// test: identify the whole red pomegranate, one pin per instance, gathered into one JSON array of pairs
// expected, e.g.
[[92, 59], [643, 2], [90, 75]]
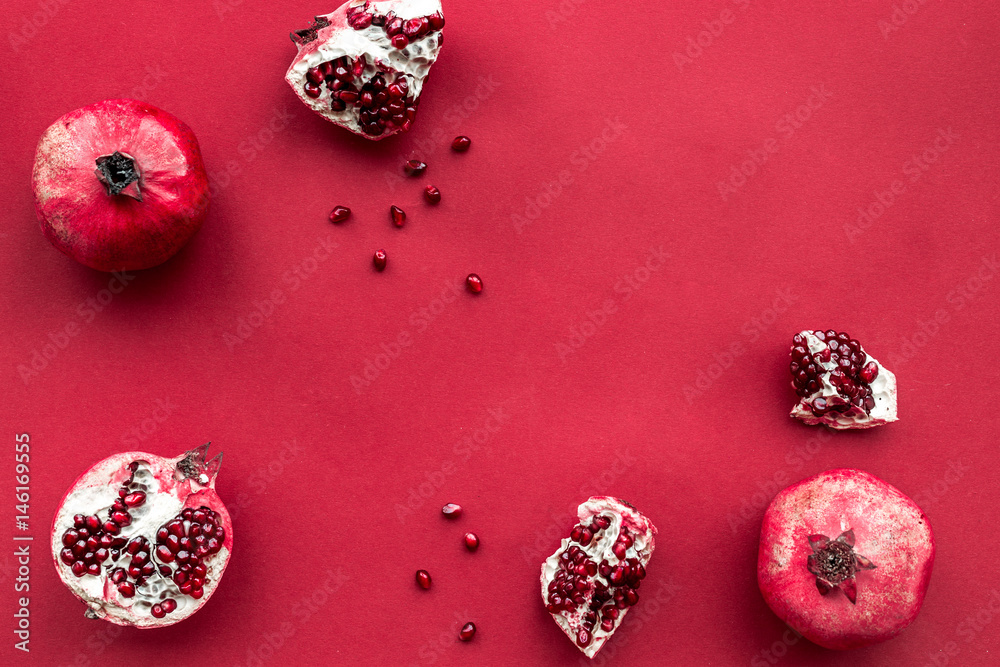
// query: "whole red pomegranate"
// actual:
[[845, 558], [144, 540], [119, 185], [593, 578], [363, 66]]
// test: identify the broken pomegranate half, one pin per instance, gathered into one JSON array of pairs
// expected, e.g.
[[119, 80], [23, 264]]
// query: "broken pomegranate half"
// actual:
[[144, 540], [592, 580], [838, 383], [363, 66], [845, 558]]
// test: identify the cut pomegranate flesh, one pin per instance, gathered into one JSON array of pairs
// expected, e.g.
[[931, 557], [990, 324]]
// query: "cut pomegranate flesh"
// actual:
[[592, 580], [363, 66], [838, 383], [143, 540]]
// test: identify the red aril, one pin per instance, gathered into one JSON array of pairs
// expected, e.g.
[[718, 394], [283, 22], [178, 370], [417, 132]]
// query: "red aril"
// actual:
[[363, 66], [591, 581], [119, 185], [474, 283], [143, 540], [452, 510], [432, 194], [467, 632], [397, 215], [414, 167], [461, 143], [379, 260], [339, 214], [471, 541], [423, 579]]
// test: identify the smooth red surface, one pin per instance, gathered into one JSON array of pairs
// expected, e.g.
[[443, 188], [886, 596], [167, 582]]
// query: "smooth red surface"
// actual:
[[314, 472]]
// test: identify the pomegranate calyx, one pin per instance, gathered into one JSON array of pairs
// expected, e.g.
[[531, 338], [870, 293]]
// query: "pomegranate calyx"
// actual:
[[119, 174], [835, 564], [306, 35], [194, 466]]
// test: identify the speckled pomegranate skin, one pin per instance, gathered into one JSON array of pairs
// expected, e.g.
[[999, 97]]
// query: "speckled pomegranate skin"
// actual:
[[117, 232], [891, 531]]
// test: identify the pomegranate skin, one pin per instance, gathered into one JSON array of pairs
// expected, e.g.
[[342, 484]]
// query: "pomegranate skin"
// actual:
[[890, 531], [118, 232]]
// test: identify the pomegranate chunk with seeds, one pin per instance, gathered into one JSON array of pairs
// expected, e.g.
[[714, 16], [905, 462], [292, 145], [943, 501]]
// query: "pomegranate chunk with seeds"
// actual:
[[364, 65], [144, 540], [591, 581], [838, 383]]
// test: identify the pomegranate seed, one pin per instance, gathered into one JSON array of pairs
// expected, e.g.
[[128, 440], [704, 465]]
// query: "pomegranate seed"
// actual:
[[168, 605], [412, 28], [583, 637], [400, 41], [452, 510], [315, 75], [339, 214], [423, 579], [397, 215], [461, 143], [414, 167], [379, 260], [126, 589], [869, 372], [435, 21], [467, 632], [134, 499], [474, 283], [157, 611], [471, 541], [312, 90], [432, 194]]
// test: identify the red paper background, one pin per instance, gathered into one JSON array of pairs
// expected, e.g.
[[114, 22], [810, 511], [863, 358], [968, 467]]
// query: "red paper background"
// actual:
[[316, 473]]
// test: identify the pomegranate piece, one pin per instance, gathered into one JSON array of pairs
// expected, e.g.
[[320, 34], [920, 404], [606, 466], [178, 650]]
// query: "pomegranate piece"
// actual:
[[414, 167], [379, 259], [845, 531], [432, 194], [474, 283], [144, 540], [452, 510], [591, 581], [397, 215], [364, 65], [423, 579], [461, 143], [467, 632], [471, 541], [838, 383], [119, 185], [339, 214]]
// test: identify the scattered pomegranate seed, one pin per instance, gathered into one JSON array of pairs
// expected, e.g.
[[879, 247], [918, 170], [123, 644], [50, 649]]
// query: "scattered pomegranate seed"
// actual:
[[467, 632], [339, 214], [461, 143], [414, 167], [423, 579], [452, 510], [474, 283], [379, 260], [432, 194], [398, 216], [471, 541]]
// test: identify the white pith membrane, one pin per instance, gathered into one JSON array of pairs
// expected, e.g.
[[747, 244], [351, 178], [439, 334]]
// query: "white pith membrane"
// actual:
[[171, 486], [600, 550], [339, 39], [883, 389]]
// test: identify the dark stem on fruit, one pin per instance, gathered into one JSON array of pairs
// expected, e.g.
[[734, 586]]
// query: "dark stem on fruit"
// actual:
[[119, 174]]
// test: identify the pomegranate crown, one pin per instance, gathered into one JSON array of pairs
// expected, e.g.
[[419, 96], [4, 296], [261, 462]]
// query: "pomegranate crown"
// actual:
[[835, 564], [194, 466]]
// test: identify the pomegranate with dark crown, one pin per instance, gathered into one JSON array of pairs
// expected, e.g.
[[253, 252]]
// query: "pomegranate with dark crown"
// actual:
[[144, 540], [119, 185], [845, 558], [838, 383], [364, 65], [593, 578]]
